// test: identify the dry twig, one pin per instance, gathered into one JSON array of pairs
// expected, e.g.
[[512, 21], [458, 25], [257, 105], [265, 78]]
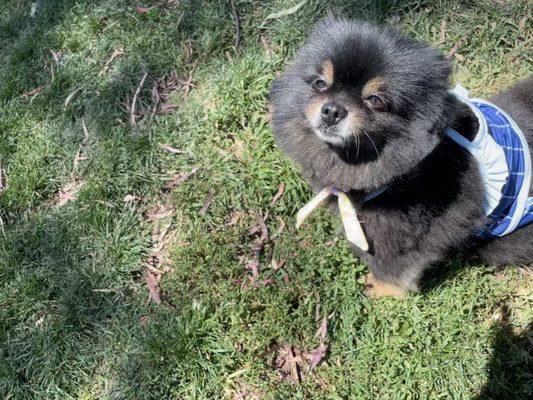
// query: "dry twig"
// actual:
[[134, 101]]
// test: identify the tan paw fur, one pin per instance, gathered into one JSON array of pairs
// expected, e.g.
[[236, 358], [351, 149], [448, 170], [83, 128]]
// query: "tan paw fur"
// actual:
[[374, 288]]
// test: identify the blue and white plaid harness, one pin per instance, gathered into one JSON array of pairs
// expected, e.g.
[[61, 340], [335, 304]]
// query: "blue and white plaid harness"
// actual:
[[504, 160]]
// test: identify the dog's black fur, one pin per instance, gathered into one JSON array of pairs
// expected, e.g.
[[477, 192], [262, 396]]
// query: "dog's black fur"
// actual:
[[433, 204]]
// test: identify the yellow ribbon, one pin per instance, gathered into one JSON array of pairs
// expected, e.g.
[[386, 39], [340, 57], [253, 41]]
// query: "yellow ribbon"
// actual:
[[352, 226]]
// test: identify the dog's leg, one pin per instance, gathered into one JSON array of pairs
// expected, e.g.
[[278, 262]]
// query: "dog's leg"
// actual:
[[375, 288], [394, 277], [513, 249]]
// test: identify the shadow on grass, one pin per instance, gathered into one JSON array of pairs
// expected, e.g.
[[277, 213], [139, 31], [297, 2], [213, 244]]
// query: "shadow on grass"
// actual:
[[510, 370], [72, 320], [53, 317]]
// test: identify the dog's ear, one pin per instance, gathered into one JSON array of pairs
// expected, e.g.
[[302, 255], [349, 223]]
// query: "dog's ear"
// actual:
[[461, 118]]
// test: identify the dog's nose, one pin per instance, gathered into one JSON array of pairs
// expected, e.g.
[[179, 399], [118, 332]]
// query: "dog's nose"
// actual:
[[333, 113]]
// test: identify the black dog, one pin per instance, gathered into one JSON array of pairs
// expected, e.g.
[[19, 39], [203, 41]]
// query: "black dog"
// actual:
[[365, 109]]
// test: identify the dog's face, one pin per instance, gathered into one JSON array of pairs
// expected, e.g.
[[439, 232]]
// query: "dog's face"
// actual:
[[359, 89], [347, 102]]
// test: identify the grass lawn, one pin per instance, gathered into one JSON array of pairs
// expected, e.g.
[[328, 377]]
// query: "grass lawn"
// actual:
[[137, 167]]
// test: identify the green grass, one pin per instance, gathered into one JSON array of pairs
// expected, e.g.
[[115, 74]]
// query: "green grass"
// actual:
[[75, 317]]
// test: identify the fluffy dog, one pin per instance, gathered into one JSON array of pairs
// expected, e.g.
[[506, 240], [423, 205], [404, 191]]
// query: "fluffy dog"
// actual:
[[365, 109]]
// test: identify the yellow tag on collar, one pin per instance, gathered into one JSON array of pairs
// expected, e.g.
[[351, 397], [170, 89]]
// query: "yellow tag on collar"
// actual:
[[352, 226]]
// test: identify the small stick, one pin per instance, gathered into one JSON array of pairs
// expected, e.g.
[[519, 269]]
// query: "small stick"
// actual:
[[454, 48], [85, 132], [2, 185], [134, 101], [119, 51]]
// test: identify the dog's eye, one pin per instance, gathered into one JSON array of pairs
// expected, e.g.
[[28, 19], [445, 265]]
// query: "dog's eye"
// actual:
[[319, 84], [375, 101]]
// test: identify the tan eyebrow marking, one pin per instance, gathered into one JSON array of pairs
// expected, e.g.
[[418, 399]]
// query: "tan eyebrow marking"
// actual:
[[327, 71], [373, 86]]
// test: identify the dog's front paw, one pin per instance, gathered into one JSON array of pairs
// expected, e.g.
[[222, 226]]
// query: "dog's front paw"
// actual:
[[374, 288]]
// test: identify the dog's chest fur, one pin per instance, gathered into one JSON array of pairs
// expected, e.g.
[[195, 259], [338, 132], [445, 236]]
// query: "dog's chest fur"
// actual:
[[429, 212]]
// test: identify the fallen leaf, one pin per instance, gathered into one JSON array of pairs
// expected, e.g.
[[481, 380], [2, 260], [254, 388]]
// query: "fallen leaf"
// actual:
[[100, 290], [286, 363], [235, 217], [261, 227], [159, 238], [316, 355], [39, 321], [187, 84], [143, 320], [32, 92], [164, 88], [253, 266], [118, 52], [244, 391], [264, 282], [142, 10], [153, 288], [455, 47], [70, 97], [277, 196], [277, 265], [207, 202], [253, 230], [170, 149], [154, 270], [322, 331], [56, 55], [178, 179], [129, 198], [159, 212], [69, 192], [293, 363]]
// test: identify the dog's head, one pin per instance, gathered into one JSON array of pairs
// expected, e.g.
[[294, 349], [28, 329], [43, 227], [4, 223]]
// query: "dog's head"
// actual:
[[362, 90]]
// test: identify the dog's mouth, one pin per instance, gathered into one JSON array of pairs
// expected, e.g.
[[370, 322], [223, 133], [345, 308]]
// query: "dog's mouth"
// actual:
[[350, 142], [329, 134]]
